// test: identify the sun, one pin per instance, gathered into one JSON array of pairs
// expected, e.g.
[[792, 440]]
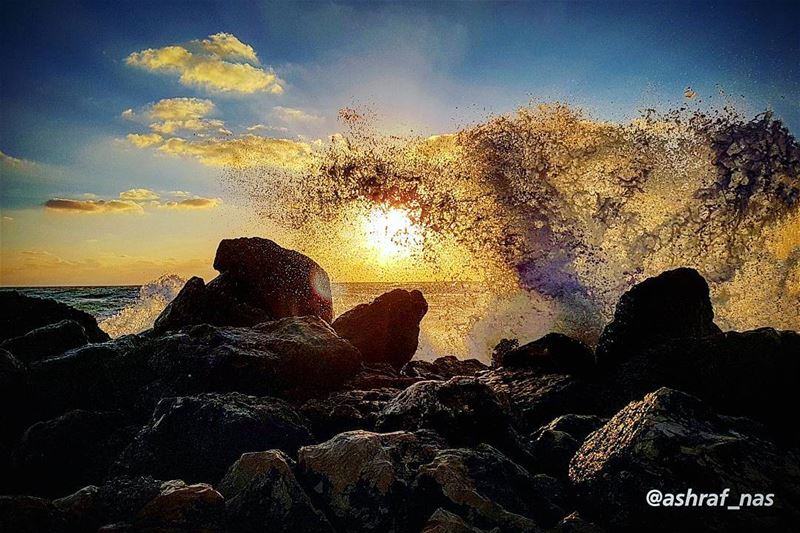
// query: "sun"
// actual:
[[391, 234]]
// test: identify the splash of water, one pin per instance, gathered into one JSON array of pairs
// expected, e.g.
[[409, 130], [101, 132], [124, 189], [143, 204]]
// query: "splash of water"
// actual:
[[574, 211], [140, 315]]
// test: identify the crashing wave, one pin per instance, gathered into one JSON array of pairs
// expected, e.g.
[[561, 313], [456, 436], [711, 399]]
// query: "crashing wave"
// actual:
[[139, 316]]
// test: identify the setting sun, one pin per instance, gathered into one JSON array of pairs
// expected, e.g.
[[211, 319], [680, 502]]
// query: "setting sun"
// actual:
[[391, 233]]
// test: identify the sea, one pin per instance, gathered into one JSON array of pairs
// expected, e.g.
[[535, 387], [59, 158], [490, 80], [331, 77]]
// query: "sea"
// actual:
[[463, 319]]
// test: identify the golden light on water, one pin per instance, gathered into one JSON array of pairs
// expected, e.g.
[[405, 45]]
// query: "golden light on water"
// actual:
[[390, 233]]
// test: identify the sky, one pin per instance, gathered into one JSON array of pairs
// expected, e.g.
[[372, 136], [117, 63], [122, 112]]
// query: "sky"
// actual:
[[118, 119]]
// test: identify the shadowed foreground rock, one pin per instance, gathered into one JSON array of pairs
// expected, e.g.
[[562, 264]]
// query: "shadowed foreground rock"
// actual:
[[258, 281], [443, 368], [45, 341], [182, 507], [671, 442], [553, 353], [386, 330], [20, 314]]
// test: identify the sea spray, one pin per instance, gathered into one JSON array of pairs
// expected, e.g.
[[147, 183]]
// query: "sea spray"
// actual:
[[140, 315]]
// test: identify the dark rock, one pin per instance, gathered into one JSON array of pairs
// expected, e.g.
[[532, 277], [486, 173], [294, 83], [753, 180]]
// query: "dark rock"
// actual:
[[552, 446], [14, 419], [363, 479], [196, 438], [672, 442], [262, 494], [45, 341], [386, 330], [258, 281], [443, 368], [573, 523], [27, 514], [61, 455], [442, 521], [672, 305], [577, 426], [182, 507], [489, 490], [553, 353], [346, 411], [20, 314], [379, 376]]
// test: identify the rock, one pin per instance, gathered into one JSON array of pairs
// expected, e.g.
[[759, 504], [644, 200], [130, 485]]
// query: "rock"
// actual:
[[45, 341], [20, 314], [553, 353], [489, 490], [346, 411], [463, 410], [13, 386], [670, 441], [262, 494], [364, 479], [117, 500], [672, 305], [442, 521], [27, 514], [573, 523], [196, 438], [61, 455], [182, 507], [443, 368], [386, 330], [553, 445], [258, 281], [379, 376], [577, 426]]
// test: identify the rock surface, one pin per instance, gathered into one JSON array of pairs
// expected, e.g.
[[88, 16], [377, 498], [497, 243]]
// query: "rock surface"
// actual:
[[553, 353], [386, 330], [443, 368], [45, 341], [182, 507], [20, 314]]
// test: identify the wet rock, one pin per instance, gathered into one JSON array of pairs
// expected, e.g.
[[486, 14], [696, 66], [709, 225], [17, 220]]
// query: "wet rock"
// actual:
[[262, 494], [61, 455], [45, 341], [552, 446], [573, 523], [672, 305], [28, 514], [196, 438], [553, 353], [258, 281], [670, 441], [489, 490], [20, 314], [443, 368], [386, 330], [346, 411], [364, 479], [442, 521], [182, 507]]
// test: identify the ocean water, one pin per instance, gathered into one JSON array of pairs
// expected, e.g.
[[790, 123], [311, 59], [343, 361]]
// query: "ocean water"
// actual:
[[457, 323]]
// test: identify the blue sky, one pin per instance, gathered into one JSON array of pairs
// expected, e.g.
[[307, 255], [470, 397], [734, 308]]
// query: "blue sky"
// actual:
[[430, 67]]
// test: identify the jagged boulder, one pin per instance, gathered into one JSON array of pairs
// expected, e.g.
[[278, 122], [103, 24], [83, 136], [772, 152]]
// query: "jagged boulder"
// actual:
[[48, 340], [259, 280], [553, 353], [196, 438], [489, 490], [443, 368], [442, 521], [364, 479], [61, 455], [673, 305], [346, 411], [553, 445], [20, 314], [574, 523], [671, 442], [182, 507], [262, 494], [28, 514], [386, 330]]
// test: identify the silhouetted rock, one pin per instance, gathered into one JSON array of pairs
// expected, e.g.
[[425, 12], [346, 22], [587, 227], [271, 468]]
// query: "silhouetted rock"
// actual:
[[20, 314], [28, 514], [553, 353], [379, 376], [552, 446], [442, 521], [258, 281], [13, 388], [182, 507], [672, 305], [61, 455], [443, 368], [262, 494], [346, 411], [386, 330], [45, 341], [364, 479], [672, 442], [196, 438], [489, 490]]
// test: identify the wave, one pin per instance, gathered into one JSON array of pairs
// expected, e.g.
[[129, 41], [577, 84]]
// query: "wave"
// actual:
[[140, 315]]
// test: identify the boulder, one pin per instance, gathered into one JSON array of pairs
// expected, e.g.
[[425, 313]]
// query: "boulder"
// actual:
[[20, 314], [363, 479], [346, 411], [58, 456], [28, 514], [672, 305], [442, 521], [552, 446], [258, 281], [386, 330], [553, 353], [443, 368], [196, 438], [48, 340], [671, 442], [489, 490], [379, 376], [182, 507], [574, 523], [13, 386], [262, 494]]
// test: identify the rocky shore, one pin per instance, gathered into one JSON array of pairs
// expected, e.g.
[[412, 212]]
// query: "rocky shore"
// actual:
[[249, 408]]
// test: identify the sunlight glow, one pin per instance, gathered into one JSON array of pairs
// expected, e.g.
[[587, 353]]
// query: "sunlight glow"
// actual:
[[391, 234]]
